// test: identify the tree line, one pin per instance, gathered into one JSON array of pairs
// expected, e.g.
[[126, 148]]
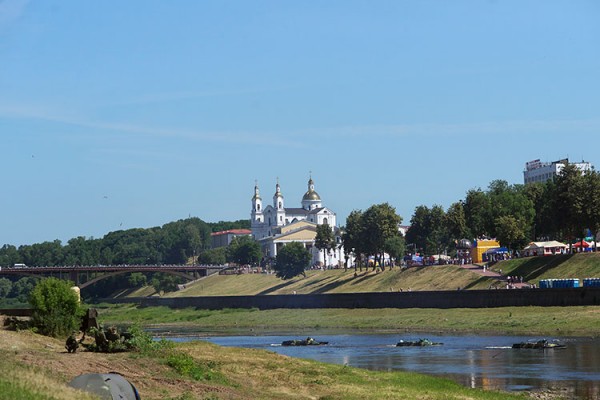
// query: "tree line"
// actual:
[[566, 208], [173, 243]]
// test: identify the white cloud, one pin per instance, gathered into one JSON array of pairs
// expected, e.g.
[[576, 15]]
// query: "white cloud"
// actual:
[[57, 116]]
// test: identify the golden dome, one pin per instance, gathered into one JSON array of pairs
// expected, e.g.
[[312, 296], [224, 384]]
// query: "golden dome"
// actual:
[[311, 195]]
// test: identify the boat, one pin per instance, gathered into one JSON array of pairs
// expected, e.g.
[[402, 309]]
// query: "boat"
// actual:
[[538, 344], [303, 342], [420, 342]]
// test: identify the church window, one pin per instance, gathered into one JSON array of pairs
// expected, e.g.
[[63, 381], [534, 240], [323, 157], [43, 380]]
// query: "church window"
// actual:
[[280, 205], [324, 220], [269, 222], [280, 218], [258, 207]]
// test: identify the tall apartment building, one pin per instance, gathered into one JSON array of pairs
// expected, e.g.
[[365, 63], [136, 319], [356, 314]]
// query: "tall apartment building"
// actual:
[[538, 171]]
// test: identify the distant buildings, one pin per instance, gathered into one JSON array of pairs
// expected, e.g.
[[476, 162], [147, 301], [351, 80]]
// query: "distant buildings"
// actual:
[[275, 225], [224, 238], [538, 171]]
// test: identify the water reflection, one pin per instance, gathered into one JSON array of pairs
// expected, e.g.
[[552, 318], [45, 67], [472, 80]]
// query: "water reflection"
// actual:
[[486, 362]]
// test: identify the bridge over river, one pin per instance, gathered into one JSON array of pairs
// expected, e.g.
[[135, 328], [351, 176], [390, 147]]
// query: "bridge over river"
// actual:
[[84, 276]]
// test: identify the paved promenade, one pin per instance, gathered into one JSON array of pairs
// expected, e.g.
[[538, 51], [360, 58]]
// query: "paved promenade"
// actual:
[[500, 278]]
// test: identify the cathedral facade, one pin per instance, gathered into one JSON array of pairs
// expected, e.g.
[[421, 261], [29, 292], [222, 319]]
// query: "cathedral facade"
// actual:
[[274, 225]]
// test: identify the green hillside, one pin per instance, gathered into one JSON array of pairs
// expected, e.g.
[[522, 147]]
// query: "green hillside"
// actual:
[[532, 269], [446, 277]]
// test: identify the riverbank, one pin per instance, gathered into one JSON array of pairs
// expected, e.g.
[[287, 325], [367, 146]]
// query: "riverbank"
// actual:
[[534, 321], [38, 367]]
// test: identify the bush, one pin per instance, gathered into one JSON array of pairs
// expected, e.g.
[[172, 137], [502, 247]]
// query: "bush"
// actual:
[[134, 339], [55, 308]]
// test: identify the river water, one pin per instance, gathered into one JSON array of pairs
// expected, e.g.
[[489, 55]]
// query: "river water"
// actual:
[[486, 362]]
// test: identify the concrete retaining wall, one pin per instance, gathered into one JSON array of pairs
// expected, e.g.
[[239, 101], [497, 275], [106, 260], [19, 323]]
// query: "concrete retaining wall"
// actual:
[[434, 299]]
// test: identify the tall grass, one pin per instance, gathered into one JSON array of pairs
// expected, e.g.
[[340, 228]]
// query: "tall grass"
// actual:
[[21, 382]]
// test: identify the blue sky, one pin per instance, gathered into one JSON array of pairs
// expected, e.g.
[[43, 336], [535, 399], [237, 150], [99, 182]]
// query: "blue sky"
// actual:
[[125, 114]]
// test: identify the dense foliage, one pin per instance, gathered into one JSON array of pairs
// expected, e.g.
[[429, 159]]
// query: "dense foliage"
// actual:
[[292, 260], [243, 250], [55, 307], [373, 232], [173, 243], [177, 242], [324, 240], [566, 209]]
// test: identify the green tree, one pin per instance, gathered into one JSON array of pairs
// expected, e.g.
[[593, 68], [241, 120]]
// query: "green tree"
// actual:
[[22, 288], [352, 236], [215, 256], [476, 208], [324, 240], [5, 287], [509, 201], [537, 193], [227, 225], [571, 202], [55, 307], [164, 282], [9, 256], [456, 222], [591, 183], [137, 279], [82, 251], [395, 246], [379, 223], [428, 230], [43, 254], [438, 238], [510, 230], [419, 228], [244, 250], [292, 260]]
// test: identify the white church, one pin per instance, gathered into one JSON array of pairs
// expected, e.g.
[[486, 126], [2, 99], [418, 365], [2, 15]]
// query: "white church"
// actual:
[[275, 225]]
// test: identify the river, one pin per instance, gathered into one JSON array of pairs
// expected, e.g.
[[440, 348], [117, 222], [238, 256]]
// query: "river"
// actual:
[[486, 362]]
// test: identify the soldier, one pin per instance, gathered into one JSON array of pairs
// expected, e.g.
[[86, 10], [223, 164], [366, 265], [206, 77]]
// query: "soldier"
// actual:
[[112, 334], [72, 343], [88, 321], [101, 341]]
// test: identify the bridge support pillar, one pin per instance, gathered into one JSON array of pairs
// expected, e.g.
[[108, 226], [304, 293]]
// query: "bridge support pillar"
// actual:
[[74, 276]]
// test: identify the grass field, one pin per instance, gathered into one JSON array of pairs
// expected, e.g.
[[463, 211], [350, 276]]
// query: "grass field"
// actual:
[[532, 269], [444, 277], [535, 321]]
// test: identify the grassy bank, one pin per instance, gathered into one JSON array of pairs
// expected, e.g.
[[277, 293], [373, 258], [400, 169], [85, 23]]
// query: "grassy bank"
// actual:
[[545, 321], [35, 367], [443, 277], [532, 269]]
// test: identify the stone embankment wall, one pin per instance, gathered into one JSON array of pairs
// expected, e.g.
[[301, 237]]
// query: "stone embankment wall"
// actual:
[[424, 299]]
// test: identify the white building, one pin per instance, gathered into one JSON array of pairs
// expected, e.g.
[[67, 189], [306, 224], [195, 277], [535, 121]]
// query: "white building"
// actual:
[[537, 171], [275, 225]]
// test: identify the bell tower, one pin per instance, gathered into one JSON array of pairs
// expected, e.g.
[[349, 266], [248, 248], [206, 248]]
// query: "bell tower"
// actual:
[[257, 217]]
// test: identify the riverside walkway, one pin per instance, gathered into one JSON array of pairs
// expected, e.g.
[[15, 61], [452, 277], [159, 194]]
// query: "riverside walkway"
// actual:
[[495, 275]]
